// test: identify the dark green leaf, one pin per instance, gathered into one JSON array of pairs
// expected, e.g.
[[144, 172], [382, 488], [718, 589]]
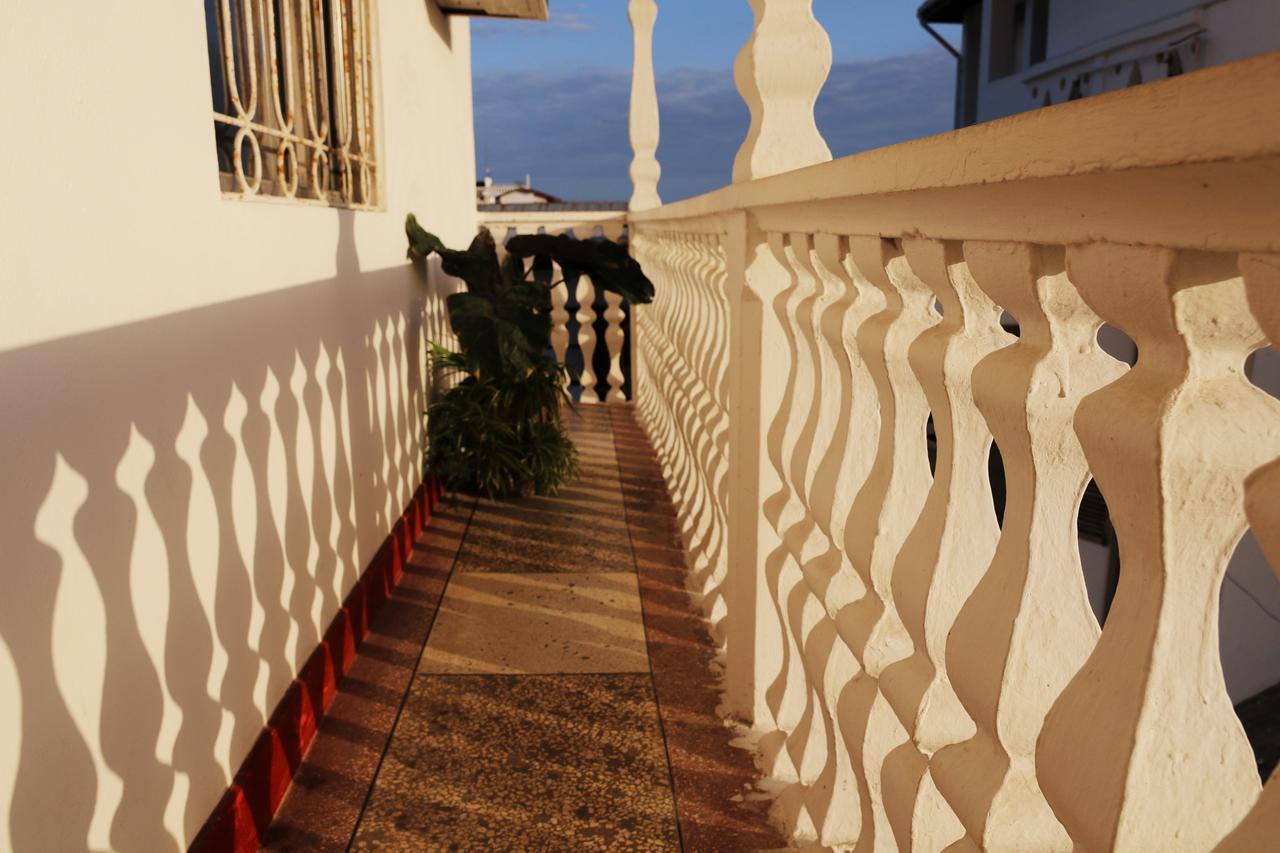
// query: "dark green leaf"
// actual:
[[609, 264], [421, 242]]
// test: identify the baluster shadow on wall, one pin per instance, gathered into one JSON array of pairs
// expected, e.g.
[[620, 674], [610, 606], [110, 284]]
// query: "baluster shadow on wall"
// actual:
[[190, 497]]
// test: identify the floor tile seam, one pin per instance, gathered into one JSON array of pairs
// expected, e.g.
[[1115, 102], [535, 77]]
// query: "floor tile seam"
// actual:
[[585, 572], [474, 674], [653, 680], [632, 619], [404, 698]]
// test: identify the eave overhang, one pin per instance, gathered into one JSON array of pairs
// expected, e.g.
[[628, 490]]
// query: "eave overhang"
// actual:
[[943, 11], [535, 10]]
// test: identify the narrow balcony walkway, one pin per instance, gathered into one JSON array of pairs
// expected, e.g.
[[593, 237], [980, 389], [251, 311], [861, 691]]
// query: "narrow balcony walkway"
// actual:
[[538, 681]]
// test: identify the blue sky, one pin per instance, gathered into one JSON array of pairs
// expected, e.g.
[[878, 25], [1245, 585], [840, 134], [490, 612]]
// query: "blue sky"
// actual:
[[551, 98]]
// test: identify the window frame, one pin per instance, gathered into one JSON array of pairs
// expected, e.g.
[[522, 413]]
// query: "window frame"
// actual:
[[296, 97]]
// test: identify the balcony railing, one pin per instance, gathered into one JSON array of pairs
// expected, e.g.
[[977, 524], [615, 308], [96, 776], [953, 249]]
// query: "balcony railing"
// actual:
[[589, 327], [919, 672]]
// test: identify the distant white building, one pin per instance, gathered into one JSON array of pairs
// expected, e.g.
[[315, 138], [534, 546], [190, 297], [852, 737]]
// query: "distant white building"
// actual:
[[488, 192], [1017, 55]]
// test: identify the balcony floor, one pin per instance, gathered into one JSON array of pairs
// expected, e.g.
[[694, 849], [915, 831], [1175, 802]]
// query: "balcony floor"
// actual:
[[539, 680]]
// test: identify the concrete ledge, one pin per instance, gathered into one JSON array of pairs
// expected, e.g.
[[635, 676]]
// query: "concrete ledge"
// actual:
[[1220, 125]]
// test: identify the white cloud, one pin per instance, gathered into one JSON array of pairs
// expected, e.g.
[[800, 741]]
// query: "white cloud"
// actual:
[[569, 130]]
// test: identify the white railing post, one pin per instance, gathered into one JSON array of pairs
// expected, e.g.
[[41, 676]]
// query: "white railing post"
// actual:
[[754, 647], [779, 72], [645, 170]]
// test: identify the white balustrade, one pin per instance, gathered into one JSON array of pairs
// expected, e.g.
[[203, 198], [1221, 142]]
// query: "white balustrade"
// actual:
[[688, 409], [919, 674], [583, 225]]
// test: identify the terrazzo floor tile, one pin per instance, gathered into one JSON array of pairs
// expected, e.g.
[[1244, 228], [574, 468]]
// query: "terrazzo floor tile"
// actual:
[[582, 528], [538, 623], [565, 699], [486, 762], [714, 781], [322, 806], [516, 538]]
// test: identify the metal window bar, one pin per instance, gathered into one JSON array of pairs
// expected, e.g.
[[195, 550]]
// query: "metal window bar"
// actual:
[[266, 58]]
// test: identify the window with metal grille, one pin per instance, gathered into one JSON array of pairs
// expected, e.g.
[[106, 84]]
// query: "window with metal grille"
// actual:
[[293, 99]]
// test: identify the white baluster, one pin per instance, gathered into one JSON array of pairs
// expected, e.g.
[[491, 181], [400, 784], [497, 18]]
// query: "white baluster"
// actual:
[[884, 509], [645, 170], [890, 500], [1027, 626], [587, 338], [779, 72], [614, 338], [559, 318], [1260, 829], [1143, 751], [950, 545]]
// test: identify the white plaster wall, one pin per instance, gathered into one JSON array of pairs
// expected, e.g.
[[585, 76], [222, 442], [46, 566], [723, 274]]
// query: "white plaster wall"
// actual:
[[1237, 29], [211, 408]]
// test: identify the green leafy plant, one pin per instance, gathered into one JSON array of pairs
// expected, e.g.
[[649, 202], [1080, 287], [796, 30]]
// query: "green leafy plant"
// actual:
[[498, 431]]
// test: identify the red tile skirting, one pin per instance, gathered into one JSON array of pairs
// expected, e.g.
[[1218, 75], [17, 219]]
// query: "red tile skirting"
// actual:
[[245, 810]]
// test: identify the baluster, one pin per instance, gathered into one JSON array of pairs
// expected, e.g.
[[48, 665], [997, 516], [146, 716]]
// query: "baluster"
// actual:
[[883, 509], [852, 454], [705, 425], [1027, 626], [1261, 827], [587, 338], [841, 307], [559, 318], [779, 72], [645, 170], [684, 340], [614, 337], [890, 500], [645, 384], [792, 439], [673, 356], [788, 695], [950, 545], [1143, 751], [715, 423], [761, 653]]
